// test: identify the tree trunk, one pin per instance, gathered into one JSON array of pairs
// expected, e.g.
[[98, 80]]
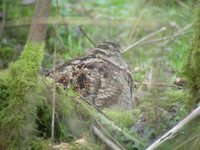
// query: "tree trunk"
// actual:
[[39, 25]]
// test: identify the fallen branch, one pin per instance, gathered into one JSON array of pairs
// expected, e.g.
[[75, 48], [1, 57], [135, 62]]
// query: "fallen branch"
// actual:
[[170, 134], [101, 136]]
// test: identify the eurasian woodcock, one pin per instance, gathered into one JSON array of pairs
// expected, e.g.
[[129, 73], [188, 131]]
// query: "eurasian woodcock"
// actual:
[[102, 77]]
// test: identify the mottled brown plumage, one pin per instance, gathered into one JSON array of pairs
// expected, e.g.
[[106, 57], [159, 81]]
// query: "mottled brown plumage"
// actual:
[[102, 77]]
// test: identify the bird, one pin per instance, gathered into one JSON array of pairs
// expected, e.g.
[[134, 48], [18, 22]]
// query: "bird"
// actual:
[[102, 77]]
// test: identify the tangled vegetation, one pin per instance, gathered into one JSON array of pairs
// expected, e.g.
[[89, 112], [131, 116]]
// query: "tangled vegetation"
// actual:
[[157, 62]]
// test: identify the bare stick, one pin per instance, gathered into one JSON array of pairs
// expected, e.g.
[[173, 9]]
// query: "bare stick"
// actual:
[[179, 33], [163, 38], [86, 35], [143, 42], [54, 98], [138, 19], [144, 38], [182, 4], [170, 134], [108, 142], [159, 84], [54, 89], [106, 133]]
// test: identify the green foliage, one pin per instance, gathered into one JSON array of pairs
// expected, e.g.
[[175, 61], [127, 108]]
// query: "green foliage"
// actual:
[[179, 52], [176, 105], [25, 102], [192, 68], [6, 55], [65, 107], [43, 120], [17, 10], [121, 118]]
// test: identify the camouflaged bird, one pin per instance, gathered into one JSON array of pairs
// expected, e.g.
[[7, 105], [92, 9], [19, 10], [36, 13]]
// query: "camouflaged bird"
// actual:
[[101, 77]]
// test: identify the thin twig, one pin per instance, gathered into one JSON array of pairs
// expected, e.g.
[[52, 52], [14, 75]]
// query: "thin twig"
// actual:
[[139, 18], [86, 35], [136, 23], [163, 38], [105, 139], [158, 84], [60, 38], [54, 90], [54, 98], [171, 133], [182, 4], [179, 33], [95, 107], [109, 136], [144, 38], [143, 42], [61, 127], [187, 141]]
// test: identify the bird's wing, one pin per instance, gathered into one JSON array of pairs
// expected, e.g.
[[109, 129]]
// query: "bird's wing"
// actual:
[[109, 92]]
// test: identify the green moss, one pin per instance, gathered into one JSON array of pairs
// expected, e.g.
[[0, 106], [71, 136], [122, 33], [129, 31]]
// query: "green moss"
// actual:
[[121, 118], [17, 120], [26, 106], [192, 69]]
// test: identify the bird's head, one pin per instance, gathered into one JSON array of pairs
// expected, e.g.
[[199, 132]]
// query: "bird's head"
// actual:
[[109, 47]]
